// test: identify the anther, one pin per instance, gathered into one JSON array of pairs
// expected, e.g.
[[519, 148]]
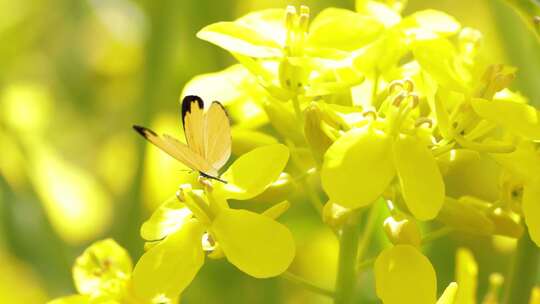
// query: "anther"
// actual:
[[371, 114], [414, 98], [290, 16], [423, 120], [408, 85], [205, 182], [303, 21], [395, 84], [399, 98], [180, 195]]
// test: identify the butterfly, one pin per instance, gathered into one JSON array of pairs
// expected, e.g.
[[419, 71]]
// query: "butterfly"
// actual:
[[208, 137]]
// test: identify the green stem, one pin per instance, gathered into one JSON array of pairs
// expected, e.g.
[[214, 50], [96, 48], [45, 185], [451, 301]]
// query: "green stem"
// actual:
[[436, 234], [307, 284], [297, 110], [522, 275], [346, 275], [367, 233]]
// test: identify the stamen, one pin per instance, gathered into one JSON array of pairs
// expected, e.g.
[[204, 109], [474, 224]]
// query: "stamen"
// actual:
[[399, 98], [395, 84], [303, 21], [290, 16], [180, 195], [372, 114], [415, 99], [423, 120], [408, 85], [205, 182]]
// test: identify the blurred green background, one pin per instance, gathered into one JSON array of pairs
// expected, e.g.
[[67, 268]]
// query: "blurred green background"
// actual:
[[75, 75]]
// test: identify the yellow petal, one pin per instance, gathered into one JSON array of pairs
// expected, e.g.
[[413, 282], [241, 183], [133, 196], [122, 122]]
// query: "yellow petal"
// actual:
[[403, 275], [168, 268], [74, 299], [449, 294], [169, 217], [531, 209], [256, 244], [102, 268], [253, 172], [277, 210], [420, 179], [357, 168], [518, 118], [466, 277], [535, 296]]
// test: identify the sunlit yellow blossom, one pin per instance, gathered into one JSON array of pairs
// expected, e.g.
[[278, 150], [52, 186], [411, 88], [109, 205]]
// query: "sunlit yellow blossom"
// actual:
[[179, 232], [362, 163]]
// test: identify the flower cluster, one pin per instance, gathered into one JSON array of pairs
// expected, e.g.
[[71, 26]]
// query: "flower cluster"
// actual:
[[372, 106]]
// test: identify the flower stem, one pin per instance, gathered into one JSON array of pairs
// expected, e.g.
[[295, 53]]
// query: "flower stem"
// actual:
[[297, 110], [367, 233], [307, 284], [346, 275], [522, 275], [436, 234]]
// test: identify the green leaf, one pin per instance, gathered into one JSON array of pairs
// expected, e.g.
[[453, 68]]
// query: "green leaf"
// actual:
[[169, 267], [354, 30], [255, 243], [253, 172], [238, 38], [357, 168]]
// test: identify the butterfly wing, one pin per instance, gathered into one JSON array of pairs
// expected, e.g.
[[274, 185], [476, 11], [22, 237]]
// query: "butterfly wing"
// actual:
[[178, 150], [193, 121], [217, 135]]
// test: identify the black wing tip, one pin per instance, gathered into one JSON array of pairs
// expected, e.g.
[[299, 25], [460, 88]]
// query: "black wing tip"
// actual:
[[143, 131], [188, 100]]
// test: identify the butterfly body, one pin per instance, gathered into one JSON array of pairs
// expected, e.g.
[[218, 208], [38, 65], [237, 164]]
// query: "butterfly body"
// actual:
[[207, 133]]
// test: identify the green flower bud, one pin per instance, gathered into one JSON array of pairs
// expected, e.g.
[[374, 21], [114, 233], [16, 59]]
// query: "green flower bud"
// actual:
[[335, 215], [314, 130], [283, 120], [506, 223], [402, 230], [278, 191]]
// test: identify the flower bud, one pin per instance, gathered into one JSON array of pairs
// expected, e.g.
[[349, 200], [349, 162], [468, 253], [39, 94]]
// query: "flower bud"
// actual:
[[465, 217], [402, 230], [278, 191], [506, 223], [283, 120], [335, 215], [317, 138]]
